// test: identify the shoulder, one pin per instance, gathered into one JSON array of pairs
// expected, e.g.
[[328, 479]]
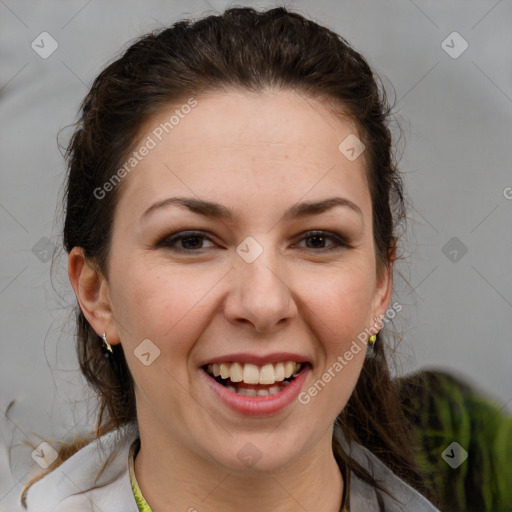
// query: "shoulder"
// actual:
[[75, 484], [363, 496]]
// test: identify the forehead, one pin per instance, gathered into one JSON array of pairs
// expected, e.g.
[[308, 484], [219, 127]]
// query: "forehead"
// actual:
[[241, 145]]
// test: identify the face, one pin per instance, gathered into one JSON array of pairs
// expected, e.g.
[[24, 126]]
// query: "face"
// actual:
[[256, 279]]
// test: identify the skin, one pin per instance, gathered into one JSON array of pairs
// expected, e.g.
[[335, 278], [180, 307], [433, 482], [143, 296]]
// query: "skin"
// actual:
[[258, 154]]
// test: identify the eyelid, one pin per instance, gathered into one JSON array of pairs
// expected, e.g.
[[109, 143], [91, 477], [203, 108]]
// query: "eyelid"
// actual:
[[169, 241], [339, 239]]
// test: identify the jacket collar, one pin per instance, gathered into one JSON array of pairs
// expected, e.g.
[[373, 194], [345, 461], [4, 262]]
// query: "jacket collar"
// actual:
[[363, 496], [61, 490]]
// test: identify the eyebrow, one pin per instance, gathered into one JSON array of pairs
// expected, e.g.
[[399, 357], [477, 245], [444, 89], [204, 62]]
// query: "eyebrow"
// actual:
[[218, 211]]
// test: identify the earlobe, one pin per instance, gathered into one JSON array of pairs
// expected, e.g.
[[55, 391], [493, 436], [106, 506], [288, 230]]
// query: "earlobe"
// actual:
[[91, 290]]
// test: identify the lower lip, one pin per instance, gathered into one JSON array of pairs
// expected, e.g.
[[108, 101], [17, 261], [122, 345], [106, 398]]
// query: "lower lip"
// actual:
[[258, 405]]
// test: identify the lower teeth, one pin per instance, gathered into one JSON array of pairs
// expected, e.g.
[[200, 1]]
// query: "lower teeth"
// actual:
[[272, 390], [257, 392]]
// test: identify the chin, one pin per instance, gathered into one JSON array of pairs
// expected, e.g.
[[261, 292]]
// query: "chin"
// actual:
[[256, 454]]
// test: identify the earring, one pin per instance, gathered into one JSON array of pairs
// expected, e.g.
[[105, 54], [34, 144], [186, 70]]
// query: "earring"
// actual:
[[373, 338], [107, 347]]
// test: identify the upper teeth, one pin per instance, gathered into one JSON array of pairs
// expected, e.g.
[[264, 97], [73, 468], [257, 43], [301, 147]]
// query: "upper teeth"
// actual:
[[252, 374]]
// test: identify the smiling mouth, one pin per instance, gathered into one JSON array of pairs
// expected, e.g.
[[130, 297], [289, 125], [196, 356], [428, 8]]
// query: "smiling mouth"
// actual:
[[242, 382]]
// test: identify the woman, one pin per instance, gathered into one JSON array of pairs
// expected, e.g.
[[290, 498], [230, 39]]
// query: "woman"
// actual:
[[231, 211]]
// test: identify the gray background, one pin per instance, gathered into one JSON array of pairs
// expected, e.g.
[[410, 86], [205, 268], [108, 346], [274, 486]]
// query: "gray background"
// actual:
[[456, 117]]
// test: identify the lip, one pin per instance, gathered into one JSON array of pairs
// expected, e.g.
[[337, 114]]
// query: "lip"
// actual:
[[257, 405], [259, 360]]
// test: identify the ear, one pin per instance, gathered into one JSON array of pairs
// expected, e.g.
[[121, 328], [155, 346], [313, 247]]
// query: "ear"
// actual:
[[92, 292], [384, 287]]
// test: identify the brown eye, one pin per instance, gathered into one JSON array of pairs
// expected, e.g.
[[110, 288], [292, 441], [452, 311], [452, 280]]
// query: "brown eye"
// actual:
[[319, 239]]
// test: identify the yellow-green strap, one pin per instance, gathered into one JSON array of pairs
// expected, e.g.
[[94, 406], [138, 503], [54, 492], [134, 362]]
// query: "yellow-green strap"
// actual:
[[141, 502]]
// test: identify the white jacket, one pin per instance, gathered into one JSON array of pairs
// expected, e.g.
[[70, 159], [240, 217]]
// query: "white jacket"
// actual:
[[59, 491]]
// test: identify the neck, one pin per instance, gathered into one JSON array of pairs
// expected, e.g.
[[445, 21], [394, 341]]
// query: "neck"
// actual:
[[173, 478]]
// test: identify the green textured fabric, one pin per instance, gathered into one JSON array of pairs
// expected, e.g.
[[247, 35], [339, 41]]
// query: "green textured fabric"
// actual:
[[444, 409]]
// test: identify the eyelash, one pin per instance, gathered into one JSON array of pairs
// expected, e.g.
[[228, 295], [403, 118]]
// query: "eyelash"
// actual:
[[170, 241]]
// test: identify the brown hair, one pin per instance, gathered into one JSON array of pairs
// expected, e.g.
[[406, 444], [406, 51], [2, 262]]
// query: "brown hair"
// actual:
[[251, 50]]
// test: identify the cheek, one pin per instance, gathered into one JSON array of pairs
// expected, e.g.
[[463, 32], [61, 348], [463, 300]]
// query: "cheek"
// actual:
[[332, 384], [341, 301], [165, 305], [169, 308], [338, 308]]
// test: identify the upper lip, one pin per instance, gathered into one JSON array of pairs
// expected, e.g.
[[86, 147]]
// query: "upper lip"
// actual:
[[257, 359]]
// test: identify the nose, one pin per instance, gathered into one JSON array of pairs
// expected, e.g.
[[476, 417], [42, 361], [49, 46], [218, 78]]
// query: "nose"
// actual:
[[260, 294]]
